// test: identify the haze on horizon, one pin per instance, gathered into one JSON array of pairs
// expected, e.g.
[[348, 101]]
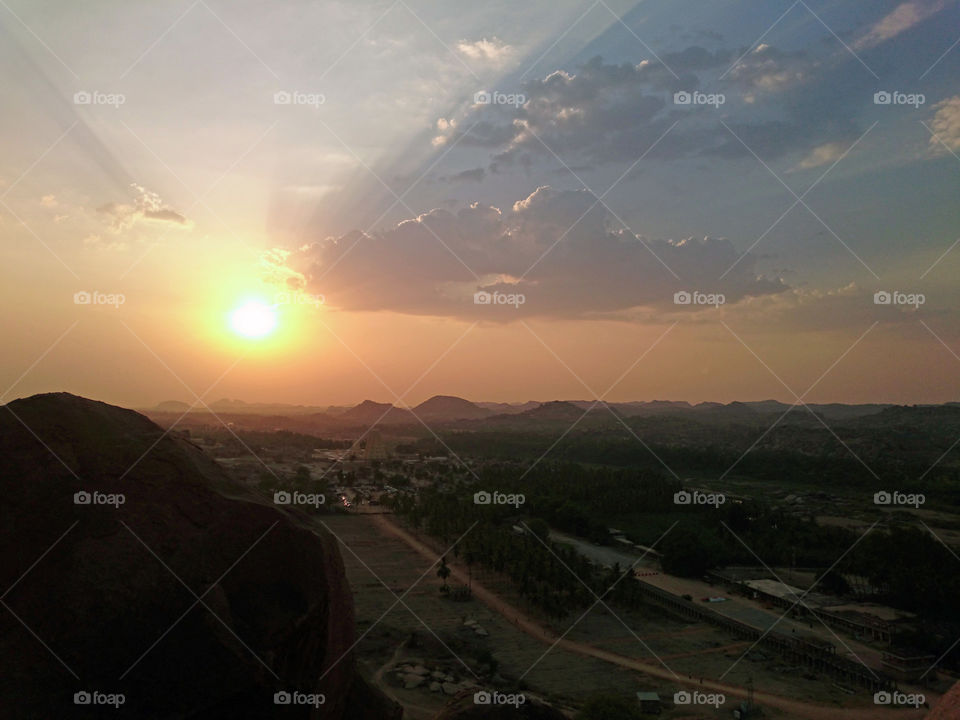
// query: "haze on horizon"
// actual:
[[363, 169]]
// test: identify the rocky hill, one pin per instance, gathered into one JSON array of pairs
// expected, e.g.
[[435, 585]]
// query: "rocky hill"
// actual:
[[369, 412], [447, 407], [170, 585]]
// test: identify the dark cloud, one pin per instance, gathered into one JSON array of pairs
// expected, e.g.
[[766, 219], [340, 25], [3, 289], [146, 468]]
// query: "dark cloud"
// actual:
[[697, 58], [778, 103], [560, 249], [471, 175]]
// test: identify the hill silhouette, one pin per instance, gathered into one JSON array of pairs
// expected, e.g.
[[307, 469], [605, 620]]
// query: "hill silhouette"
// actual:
[[448, 407], [193, 598], [369, 412]]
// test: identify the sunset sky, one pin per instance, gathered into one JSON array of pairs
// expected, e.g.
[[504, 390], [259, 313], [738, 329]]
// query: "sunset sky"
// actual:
[[337, 163]]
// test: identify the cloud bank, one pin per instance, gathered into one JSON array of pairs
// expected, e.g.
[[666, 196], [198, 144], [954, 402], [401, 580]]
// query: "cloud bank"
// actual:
[[561, 250]]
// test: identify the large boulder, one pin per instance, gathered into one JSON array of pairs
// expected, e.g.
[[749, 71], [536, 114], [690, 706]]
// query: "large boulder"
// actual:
[[104, 597]]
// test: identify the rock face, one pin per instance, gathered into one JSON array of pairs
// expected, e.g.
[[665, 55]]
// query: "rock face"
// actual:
[[103, 598]]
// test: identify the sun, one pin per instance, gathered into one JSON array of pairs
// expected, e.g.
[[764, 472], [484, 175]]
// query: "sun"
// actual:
[[254, 319]]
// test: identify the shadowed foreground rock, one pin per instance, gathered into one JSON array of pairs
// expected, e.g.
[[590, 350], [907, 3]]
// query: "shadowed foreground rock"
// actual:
[[112, 606], [949, 706]]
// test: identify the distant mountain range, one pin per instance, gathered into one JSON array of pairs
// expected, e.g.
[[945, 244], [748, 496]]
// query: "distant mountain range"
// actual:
[[448, 408], [234, 406]]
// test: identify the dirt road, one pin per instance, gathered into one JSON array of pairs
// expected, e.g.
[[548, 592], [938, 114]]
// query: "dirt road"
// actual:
[[796, 708]]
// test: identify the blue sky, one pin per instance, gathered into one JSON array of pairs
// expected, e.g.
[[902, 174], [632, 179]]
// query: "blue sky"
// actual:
[[378, 181]]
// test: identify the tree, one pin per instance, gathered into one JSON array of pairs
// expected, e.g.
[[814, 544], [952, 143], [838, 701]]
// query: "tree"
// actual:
[[443, 573], [687, 553], [303, 474], [833, 582], [539, 528]]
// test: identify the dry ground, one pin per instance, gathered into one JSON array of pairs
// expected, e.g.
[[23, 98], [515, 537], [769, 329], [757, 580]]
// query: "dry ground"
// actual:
[[687, 651]]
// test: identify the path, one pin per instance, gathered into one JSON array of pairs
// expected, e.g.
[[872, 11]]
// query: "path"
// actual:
[[413, 712]]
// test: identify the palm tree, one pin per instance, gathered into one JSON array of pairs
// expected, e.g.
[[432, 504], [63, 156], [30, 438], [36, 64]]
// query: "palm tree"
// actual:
[[443, 573]]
